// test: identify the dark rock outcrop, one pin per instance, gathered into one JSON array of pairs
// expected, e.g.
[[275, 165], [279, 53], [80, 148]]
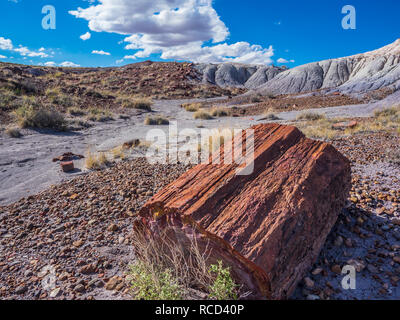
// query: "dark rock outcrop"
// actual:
[[269, 226]]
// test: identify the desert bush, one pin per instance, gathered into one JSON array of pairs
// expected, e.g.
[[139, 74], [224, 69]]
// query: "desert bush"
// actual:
[[95, 161], [153, 121], [165, 270], [270, 116], [142, 104], [191, 107], [153, 283], [7, 99], [203, 115], [389, 112], [13, 133], [310, 116], [63, 100], [75, 111], [99, 115], [219, 112], [52, 92], [118, 153], [256, 98], [29, 116]]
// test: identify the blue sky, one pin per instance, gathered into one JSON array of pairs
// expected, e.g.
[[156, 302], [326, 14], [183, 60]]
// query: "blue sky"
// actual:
[[128, 31]]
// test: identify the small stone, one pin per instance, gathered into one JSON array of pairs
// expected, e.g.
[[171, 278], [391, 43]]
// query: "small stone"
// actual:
[[112, 227], [21, 289], [396, 221], [55, 293], [78, 243], [313, 297], [88, 269], [359, 266], [28, 273], [396, 259], [336, 269], [112, 283], [316, 271], [338, 241], [79, 288], [67, 166], [371, 268], [308, 282], [64, 276], [348, 243]]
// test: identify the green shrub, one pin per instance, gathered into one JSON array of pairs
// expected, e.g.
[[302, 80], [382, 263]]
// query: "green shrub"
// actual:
[[151, 283], [223, 287]]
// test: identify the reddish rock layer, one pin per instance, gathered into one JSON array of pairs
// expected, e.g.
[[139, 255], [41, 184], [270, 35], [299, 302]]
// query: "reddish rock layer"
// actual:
[[270, 225]]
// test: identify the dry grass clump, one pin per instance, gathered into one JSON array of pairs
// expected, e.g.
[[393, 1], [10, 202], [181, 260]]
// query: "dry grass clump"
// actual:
[[154, 121], [75, 111], [13, 133], [216, 139], [219, 112], [320, 129], [255, 98], [270, 116], [310, 116], [165, 270], [383, 120], [118, 153], [99, 115], [95, 161], [203, 115], [191, 107], [32, 117]]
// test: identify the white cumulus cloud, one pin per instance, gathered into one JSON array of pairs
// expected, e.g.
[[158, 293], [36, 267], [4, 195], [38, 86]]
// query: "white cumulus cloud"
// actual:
[[282, 60], [69, 64], [175, 29], [6, 44], [101, 52], [2, 57], [86, 36]]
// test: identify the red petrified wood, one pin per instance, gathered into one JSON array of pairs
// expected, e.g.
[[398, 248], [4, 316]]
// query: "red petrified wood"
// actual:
[[269, 226]]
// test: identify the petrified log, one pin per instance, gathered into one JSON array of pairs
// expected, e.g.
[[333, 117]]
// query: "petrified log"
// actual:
[[269, 226]]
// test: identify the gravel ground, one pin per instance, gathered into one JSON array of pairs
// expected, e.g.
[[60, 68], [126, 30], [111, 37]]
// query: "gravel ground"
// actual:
[[367, 234], [72, 241]]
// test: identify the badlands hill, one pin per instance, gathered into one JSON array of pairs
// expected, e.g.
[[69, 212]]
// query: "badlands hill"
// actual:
[[360, 73], [237, 75]]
